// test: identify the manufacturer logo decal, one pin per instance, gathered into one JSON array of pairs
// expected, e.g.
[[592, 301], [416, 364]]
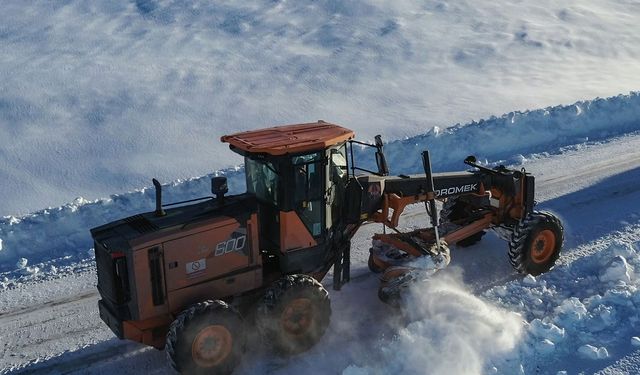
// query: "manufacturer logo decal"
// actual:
[[457, 190], [196, 266]]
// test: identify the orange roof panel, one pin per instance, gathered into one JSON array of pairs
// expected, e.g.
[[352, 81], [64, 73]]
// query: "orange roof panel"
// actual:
[[289, 139]]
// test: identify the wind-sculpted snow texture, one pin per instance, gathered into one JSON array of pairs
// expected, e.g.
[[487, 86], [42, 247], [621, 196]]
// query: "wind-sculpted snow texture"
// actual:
[[97, 96]]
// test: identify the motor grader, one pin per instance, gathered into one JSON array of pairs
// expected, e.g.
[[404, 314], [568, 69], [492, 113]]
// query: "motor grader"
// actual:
[[196, 277]]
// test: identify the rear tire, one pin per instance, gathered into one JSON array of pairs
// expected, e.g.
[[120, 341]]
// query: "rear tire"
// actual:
[[535, 243], [207, 338], [294, 313], [456, 209]]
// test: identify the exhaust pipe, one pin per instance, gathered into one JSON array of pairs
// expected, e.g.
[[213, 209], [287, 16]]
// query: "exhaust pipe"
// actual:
[[159, 210]]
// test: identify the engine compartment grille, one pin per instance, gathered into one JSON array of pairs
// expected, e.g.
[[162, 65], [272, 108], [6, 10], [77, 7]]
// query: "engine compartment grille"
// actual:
[[141, 224]]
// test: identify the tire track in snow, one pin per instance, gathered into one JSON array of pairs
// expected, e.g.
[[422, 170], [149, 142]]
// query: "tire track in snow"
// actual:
[[45, 305]]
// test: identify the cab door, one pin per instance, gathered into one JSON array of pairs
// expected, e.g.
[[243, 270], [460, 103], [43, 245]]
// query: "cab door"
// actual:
[[337, 178], [308, 192]]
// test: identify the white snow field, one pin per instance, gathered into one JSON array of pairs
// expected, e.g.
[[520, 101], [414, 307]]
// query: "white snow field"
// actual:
[[96, 97], [476, 317]]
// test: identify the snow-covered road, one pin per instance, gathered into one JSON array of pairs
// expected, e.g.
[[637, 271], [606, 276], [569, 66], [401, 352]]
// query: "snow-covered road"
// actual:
[[591, 186]]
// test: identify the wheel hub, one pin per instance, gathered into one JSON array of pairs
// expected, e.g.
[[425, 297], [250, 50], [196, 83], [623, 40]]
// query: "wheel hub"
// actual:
[[211, 346], [297, 317], [542, 246]]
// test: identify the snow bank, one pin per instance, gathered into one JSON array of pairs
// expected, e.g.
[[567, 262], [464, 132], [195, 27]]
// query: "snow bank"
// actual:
[[57, 241], [452, 332], [583, 311], [510, 136]]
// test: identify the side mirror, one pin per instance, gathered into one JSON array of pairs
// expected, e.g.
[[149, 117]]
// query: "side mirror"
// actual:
[[219, 186]]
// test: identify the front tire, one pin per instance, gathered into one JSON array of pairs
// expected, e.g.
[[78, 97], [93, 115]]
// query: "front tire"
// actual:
[[207, 338], [535, 243], [294, 313]]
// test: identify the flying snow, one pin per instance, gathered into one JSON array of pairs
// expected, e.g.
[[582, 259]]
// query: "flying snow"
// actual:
[[449, 333]]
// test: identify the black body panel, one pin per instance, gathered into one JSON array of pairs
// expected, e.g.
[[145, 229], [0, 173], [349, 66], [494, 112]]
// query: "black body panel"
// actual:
[[122, 231], [113, 280], [112, 320], [417, 184], [529, 193], [304, 260], [445, 184]]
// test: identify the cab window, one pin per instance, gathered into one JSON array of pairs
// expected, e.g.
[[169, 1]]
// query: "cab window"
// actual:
[[262, 180]]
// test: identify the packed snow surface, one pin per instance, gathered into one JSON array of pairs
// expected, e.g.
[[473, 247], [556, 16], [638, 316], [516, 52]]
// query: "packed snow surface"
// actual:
[[97, 97]]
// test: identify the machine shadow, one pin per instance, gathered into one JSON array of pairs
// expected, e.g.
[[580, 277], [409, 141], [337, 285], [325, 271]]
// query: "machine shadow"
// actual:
[[599, 209], [132, 358]]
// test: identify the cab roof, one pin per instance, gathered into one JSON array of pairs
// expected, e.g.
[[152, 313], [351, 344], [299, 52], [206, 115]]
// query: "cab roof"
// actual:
[[289, 139]]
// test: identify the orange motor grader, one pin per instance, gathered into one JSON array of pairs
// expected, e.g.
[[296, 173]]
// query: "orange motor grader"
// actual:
[[194, 277]]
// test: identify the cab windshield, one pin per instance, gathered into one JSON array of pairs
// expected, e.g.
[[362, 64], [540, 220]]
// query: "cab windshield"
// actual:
[[262, 180]]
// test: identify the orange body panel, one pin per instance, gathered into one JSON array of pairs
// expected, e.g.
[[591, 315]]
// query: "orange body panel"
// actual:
[[196, 258], [186, 285], [204, 253], [150, 332], [293, 233], [397, 204], [234, 284], [288, 139], [469, 230], [155, 238]]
